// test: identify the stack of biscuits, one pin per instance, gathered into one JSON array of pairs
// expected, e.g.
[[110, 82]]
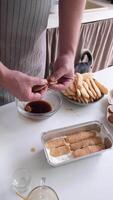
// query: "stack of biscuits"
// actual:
[[85, 89], [77, 144]]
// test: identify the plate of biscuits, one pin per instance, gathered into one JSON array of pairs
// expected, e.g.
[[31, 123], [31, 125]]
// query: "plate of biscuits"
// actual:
[[84, 89]]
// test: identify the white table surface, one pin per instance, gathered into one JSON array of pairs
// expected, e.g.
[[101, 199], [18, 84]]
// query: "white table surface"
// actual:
[[90, 178]]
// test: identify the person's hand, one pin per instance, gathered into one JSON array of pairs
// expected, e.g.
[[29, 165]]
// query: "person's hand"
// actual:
[[20, 85], [63, 72]]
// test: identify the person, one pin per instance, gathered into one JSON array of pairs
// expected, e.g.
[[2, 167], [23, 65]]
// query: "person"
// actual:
[[23, 46]]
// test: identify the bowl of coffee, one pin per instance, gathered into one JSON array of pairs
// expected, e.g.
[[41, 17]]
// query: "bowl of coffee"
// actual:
[[40, 109]]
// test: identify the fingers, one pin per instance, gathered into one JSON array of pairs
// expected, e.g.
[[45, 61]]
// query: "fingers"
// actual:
[[38, 95], [61, 77], [39, 88], [26, 92], [61, 85], [35, 97], [20, 85], [38, 81], [42, 92], [58, 87], [63, 72], [57, 74], [28, 96]]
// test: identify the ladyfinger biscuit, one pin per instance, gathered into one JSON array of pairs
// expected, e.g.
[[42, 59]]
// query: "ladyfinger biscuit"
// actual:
[[74, 98], [87, 75], [82, 99], [79, 80], [55, 143], [91, 99], [91, 88], [88, 90], [88, 150], [70, 92], [71, 97], [78, 93], [85, 143], [86, 100], [80, 136], [78, 99], [72, 86], [65, 92], [52, 82], [97, 90], [84, 92], [75, 82], [102, 88], [59, 151]]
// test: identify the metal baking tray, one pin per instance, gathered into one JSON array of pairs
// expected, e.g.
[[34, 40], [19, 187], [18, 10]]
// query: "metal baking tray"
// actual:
[[97, 126]]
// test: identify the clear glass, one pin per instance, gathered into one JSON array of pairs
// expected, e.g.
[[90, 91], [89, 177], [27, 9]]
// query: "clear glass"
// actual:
[[41, 192], [21, 180]]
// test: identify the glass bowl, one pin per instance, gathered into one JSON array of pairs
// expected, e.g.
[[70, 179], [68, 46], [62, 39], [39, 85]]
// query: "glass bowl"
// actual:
[[52, 97]]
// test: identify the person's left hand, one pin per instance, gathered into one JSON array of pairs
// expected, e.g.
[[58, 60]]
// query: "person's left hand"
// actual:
[[63, 72]]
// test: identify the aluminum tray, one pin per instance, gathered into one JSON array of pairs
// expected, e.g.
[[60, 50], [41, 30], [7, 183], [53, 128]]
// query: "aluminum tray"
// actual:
[[92, 125]]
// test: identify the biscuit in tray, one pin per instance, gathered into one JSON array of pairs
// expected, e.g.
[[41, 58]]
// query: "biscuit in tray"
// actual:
[[80, 136], [55, 143], [88, 150], [59, 151], [85, 143]]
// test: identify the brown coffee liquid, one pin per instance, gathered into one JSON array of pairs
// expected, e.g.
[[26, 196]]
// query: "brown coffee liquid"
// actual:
[[38, 107]]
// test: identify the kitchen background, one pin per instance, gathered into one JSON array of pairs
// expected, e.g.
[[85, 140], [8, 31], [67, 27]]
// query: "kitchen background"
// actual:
[[96, 34]]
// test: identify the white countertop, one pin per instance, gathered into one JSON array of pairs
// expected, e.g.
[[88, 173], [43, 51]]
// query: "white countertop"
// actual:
[[88, 16], [90, 178]]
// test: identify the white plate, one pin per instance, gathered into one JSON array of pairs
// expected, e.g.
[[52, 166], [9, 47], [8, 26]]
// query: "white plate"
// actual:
[[78, 103]]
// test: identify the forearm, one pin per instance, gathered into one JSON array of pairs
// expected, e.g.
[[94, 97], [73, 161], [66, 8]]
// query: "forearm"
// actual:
[[19, 84], [70, 15], [4, 71]]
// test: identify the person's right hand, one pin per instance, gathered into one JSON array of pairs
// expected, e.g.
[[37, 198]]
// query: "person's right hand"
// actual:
[[20, 85]]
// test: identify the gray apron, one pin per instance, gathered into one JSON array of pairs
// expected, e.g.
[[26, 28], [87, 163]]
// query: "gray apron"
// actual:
[[22, 37]]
